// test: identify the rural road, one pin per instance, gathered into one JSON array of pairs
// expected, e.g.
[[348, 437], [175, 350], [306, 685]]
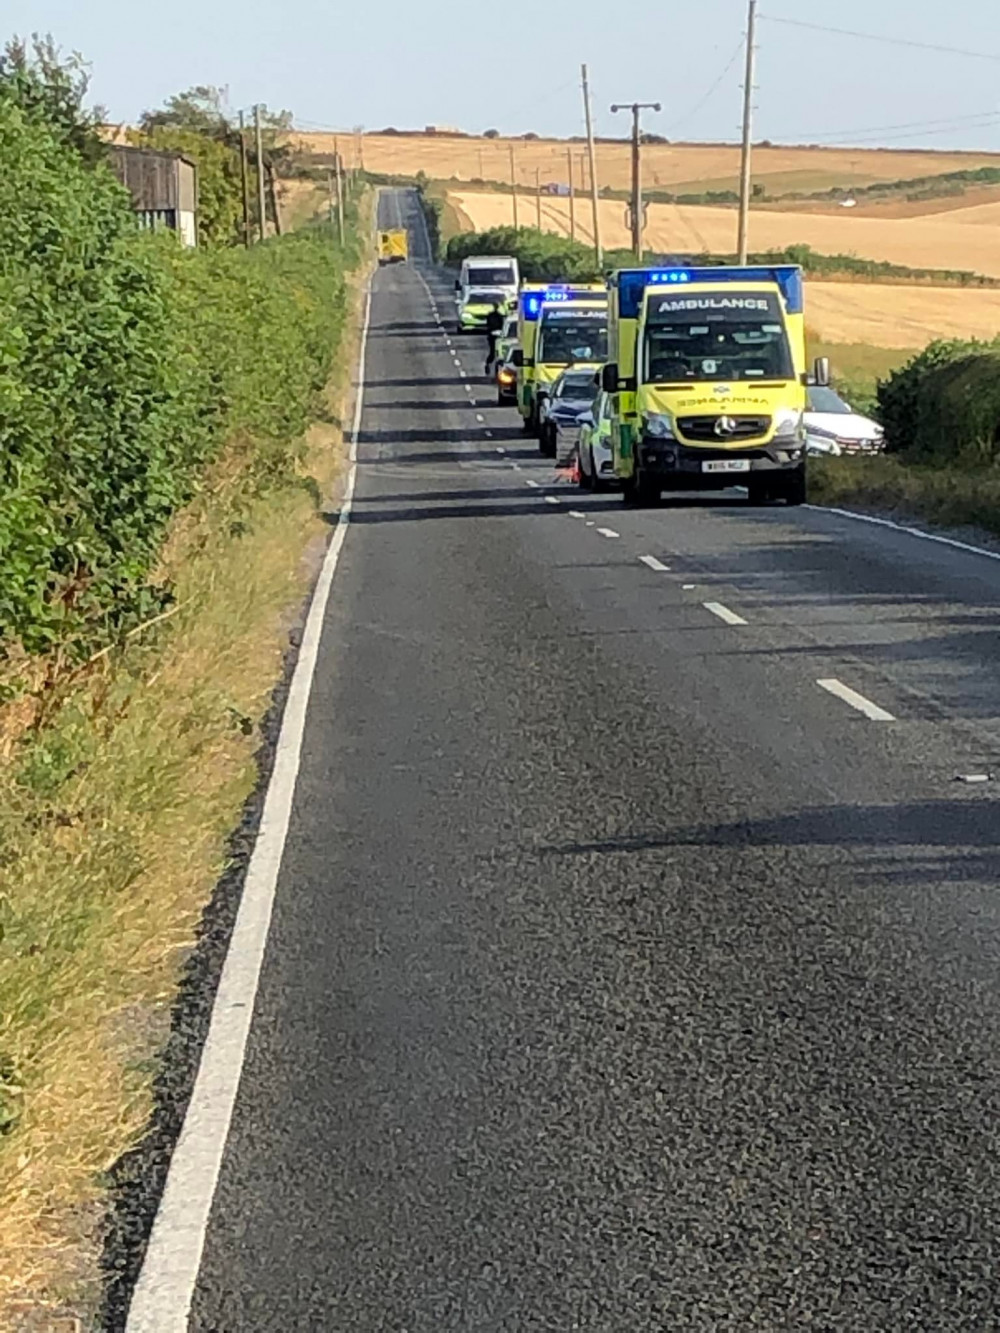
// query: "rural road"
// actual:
[[621, 976]]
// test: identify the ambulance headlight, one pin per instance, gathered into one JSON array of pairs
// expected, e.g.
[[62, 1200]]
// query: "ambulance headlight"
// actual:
[[788, 424], [658, 426]]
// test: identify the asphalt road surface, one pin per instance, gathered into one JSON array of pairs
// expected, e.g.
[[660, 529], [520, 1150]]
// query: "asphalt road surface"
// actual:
[[622, 975]]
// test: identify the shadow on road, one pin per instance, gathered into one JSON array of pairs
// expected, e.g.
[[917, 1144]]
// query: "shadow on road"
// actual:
[[967, 827]]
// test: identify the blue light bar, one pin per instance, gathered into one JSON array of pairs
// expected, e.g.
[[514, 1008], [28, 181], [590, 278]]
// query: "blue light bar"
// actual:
[[531, 302], [632, 282]]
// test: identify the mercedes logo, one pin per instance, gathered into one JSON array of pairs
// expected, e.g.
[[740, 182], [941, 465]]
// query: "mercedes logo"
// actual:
[[725, 426]]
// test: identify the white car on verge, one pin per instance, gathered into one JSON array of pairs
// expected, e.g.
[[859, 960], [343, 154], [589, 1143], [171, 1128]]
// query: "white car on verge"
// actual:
[[834, 428]]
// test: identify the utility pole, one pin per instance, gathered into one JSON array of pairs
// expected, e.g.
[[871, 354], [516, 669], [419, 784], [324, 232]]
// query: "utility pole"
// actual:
[[745, 165], [338, 172], [273, 196], [513, 184], [538, 198], [244, 179], [595, 200], [572, 202], [638, 221], [260, 173]]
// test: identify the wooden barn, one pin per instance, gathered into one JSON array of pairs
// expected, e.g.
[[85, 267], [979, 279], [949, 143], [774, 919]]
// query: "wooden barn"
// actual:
[[164, 188]]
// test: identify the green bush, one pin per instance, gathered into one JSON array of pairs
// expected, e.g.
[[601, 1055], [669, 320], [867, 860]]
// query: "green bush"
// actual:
[[944, 404], [125, 364]]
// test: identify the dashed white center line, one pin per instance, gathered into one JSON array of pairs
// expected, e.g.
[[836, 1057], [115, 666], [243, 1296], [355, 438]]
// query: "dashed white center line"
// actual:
[[858, 701], [653, 563], [532, 483], [462, 373], [500, 448], [724, 613], [480, 417], [551, 500], [575, 513], [590, 523], [608, 532]]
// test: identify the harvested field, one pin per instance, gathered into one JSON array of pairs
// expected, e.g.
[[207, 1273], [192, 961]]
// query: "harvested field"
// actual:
[[681, 167], [943, 241], [887, 315]]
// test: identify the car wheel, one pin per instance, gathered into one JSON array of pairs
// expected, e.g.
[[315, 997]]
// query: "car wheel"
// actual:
[[758, 491]]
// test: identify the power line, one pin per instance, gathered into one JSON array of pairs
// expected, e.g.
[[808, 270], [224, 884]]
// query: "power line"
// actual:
[[920, 134], [690, 115], [981, 119], [877, 37]]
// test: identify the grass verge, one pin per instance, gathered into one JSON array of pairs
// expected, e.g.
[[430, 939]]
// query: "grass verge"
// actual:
[[952, 497], [113, 829]]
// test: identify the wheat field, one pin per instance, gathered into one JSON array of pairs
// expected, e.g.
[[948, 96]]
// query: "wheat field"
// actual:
[[942, 240], [681, 167]]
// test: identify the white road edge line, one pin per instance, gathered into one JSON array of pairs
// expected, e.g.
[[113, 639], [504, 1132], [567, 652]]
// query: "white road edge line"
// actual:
[[724, 613], [902, 527], [551, 500], [858, 701], [161, 1300], [533, 483], [575, 513], [608, 532], [653, 563]]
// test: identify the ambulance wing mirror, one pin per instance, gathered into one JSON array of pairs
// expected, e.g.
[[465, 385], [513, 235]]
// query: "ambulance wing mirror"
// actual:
[[517, 357], [609, 378], [821, 371]]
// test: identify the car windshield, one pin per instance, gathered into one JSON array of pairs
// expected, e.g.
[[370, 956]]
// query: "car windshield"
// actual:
[[578, 388], [479, 296], [735, 336], [492, 275], [825, 400], [573, 338]]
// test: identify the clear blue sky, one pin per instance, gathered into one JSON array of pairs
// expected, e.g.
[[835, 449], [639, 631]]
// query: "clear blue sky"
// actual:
[[392, 63]]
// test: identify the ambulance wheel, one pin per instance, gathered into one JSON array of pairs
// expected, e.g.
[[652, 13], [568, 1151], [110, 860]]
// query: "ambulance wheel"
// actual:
[[793, 489]]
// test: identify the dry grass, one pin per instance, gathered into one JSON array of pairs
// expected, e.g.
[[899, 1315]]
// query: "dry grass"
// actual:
[[302, 201], [680, 167], [113, 831], [953, 497], [944, 241]]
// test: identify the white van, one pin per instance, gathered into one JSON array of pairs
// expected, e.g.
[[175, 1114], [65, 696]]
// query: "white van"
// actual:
[[488, 272]]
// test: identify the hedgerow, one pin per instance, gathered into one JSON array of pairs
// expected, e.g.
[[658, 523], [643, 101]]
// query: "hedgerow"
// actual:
[[548, 257], [125, 364], [542, 256], [944, 404]]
